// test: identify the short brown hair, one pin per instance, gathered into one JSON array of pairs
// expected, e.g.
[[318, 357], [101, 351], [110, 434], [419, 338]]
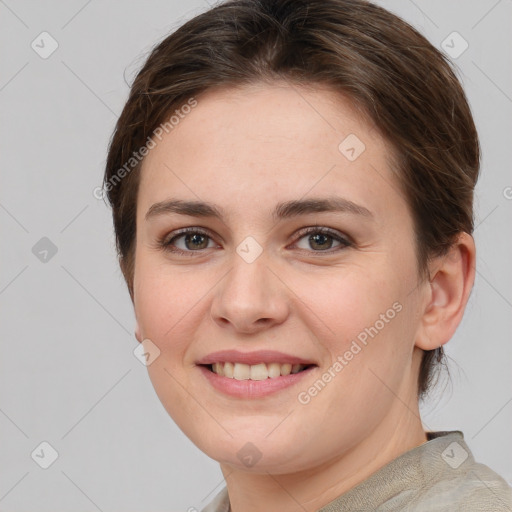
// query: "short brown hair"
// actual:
[[391, 73]]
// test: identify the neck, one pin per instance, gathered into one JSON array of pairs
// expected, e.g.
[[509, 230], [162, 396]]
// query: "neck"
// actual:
[[400, 431]]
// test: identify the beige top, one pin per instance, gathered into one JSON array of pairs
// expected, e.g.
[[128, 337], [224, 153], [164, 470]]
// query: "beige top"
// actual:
[[440, 475]]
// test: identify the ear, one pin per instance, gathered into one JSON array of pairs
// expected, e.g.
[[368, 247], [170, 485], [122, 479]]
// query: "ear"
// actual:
[[138, 335], [451, 280]]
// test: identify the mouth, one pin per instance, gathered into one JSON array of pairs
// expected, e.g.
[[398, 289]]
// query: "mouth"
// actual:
[[256, 372], [253, 375]]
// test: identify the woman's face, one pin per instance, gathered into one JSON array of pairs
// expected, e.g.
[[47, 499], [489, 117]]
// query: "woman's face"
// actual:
[[262, 282]]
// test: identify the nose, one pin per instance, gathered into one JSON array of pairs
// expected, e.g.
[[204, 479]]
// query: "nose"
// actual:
[[250, 298]]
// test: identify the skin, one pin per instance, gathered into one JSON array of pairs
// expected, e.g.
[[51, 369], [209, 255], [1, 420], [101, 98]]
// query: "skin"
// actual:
[[293, 298]]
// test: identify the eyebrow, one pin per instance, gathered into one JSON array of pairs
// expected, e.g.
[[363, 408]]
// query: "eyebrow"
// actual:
[[282, 210]]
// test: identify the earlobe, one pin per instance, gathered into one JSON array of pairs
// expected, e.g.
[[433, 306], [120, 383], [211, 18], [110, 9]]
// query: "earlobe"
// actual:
[[452, 278], [137, 333]]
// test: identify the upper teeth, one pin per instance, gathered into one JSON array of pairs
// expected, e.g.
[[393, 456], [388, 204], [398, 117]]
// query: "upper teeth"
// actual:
[[261, 371]]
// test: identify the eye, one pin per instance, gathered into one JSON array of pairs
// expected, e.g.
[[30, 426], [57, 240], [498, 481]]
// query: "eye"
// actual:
[[322, 240], [187, 241]]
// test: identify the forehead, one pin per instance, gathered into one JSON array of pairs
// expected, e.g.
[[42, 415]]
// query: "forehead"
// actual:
[[268, 142]]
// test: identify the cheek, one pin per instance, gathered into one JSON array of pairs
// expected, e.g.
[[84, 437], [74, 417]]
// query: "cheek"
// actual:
[[366, 321], [163, 303], [166, 307], [346, 304]]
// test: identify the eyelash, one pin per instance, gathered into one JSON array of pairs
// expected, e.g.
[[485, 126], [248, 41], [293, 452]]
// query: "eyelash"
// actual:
[[166, 243]]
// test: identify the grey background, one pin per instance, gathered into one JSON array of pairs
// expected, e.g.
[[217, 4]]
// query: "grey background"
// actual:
[[68, 375]]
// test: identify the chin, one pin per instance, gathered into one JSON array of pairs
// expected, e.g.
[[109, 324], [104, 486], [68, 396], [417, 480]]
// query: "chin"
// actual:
[[256, 454]]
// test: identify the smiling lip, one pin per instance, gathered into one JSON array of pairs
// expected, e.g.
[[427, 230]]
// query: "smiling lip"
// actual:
[[259, 356], [252, 389]]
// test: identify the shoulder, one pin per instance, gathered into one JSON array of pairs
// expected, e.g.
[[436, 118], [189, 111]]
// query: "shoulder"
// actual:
[[220, 503], [449, 479], [475, 489]]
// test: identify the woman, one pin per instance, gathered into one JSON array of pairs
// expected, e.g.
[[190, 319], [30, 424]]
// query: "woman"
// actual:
[[292, 187]]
